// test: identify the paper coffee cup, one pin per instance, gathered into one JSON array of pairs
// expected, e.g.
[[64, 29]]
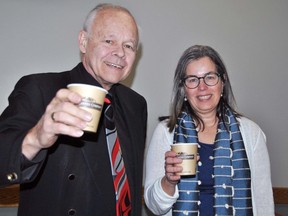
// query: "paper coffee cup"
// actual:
[[92, 101], [188, 153]]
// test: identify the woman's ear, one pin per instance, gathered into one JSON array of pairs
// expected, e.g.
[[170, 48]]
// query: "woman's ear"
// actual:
[[223, 78]]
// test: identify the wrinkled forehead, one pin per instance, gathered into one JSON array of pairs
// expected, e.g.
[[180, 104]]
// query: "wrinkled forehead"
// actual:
[[118, 20]]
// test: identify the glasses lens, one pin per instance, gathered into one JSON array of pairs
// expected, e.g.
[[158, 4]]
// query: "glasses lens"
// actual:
[[191, 82], [211, 79]]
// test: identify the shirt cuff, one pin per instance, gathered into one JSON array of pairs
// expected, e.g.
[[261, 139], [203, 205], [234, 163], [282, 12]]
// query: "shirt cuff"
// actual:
[[30, 167], [164, 198]]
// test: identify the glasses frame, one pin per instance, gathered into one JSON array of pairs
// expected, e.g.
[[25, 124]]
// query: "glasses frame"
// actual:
[[199, 78]]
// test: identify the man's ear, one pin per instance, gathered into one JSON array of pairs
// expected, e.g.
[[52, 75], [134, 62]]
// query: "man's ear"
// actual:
[[82, 40]]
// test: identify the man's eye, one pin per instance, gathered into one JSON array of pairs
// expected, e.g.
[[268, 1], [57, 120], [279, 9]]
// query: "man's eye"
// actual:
[[129, 47], [108, 41]]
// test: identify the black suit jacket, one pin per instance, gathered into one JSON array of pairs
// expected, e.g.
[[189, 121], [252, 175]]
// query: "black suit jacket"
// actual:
[[73, 177]]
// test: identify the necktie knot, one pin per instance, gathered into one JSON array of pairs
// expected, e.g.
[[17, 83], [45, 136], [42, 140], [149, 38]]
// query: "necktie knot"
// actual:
[[108, 99]]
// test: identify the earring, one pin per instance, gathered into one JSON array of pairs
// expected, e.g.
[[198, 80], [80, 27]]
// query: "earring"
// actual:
[[185, 98]]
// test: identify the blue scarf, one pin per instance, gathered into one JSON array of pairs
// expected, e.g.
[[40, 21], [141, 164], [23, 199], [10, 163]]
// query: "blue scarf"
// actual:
[[232, 179]]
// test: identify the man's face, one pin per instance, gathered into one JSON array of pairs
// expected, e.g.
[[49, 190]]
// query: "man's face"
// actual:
[[109, 48]]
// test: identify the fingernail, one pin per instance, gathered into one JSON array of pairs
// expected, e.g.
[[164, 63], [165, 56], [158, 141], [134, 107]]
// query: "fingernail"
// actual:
[[79, 133]]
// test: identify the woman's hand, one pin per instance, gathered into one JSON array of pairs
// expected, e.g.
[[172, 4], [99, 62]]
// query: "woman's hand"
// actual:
[[170, 180]]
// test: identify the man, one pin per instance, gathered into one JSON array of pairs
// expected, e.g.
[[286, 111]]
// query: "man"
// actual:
[[61, 169]]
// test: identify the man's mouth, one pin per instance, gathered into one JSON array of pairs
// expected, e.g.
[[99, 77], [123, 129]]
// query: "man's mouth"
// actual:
[[114, 65]]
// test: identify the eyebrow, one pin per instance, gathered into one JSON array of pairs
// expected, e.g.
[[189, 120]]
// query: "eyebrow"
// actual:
[[203, 75]]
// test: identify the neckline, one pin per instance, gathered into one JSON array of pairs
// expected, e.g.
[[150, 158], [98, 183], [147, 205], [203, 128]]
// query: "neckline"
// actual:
[[206, 144]]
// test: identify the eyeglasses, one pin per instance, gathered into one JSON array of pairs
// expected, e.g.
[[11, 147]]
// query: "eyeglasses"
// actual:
[[210, 79]]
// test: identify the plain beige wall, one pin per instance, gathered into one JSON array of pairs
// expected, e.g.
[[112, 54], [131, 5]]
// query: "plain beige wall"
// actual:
[[252, 37]]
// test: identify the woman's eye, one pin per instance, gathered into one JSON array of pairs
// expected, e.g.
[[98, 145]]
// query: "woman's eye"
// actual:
[[193, 80], [210, 77]]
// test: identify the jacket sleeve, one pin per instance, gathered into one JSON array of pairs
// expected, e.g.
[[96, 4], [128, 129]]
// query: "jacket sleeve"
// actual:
[[258, 157], [155, 198], [24, 110]]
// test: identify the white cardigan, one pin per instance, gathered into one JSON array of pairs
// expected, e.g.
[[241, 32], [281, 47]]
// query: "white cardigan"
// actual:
[[160, 203]]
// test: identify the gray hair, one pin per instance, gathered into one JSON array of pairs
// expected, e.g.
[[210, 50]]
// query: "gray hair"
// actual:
[[178, 93], [101, 7]]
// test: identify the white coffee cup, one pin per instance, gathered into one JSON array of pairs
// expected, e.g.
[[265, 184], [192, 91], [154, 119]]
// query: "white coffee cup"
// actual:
[[92, 101], [188, 153]]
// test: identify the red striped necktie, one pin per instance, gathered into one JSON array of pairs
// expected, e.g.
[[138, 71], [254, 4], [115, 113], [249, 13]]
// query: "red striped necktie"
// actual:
[[122, 190]]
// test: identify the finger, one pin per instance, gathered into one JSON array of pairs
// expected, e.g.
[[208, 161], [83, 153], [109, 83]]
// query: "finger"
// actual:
[[49, 127], [66, 95], [53, 117], [62, 96], [59, 128], [170, 154], [67, 112], [173, 161], [173, 169], [66, 101], [66, 122], [173, 178], [78, 119]]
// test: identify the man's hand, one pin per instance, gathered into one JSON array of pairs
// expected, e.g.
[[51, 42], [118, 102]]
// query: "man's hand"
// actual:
[[62, 116]]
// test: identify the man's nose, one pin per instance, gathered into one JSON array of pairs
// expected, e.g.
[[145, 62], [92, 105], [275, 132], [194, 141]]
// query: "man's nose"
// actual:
[[119, 51]]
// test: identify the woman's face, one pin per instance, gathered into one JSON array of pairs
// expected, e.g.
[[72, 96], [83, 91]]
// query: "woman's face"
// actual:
[[203, 99]]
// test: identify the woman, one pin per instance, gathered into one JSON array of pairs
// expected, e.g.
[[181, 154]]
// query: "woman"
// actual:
[[233, 173]]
